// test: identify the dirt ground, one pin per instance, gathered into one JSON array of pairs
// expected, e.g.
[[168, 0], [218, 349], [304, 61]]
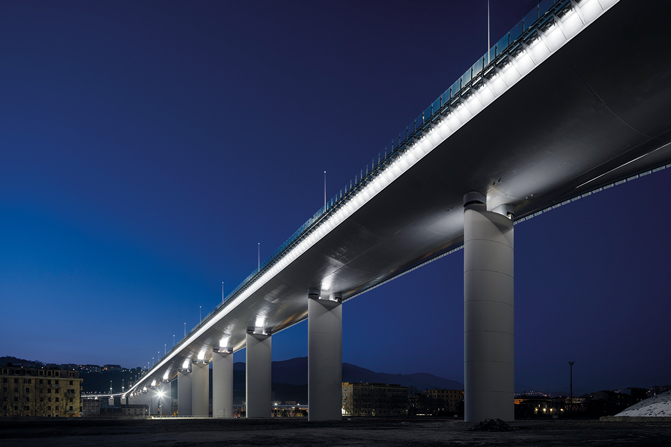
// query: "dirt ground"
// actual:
[[300, 432]]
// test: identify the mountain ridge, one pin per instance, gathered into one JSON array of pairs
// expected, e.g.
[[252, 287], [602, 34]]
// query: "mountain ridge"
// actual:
[[295, 372]]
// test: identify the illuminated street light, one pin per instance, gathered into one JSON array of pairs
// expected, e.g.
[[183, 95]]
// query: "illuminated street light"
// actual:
[[159, 404]]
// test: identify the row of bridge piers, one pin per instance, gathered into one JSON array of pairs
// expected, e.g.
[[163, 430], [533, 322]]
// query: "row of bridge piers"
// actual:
[[488, 339]]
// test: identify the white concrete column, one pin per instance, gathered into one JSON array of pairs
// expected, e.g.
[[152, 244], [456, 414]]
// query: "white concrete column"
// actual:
[[489, 322], [184, 400], [152, 399], [259, 375], [200, 386], [324, 357], [222, 383]]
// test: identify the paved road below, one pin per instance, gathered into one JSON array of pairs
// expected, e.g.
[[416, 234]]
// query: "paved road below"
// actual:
[[299, 432]]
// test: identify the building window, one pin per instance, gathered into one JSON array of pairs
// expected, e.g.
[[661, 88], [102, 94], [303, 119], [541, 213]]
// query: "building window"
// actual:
[[56, 373], [56, 407], [16, 399], [26, 380], [71, 383], [27, 407], [16, 380], [27, 390], [48, 407], [70, 399], [56, 381], [48, 381], [57, 401], [16, 390], [41, 381], [16, 408], [49, 390], [58, 390]]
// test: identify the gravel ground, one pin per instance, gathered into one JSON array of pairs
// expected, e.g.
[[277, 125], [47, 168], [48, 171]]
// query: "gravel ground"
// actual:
[[299, 432]]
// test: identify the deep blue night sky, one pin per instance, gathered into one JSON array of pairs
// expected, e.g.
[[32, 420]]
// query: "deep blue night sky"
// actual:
[[147, 147]]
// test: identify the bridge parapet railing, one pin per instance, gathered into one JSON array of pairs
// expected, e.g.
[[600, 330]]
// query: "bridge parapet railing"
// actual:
[[510, 43]]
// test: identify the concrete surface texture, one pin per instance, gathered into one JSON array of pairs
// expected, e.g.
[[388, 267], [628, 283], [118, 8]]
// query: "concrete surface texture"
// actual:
[[300, 432]]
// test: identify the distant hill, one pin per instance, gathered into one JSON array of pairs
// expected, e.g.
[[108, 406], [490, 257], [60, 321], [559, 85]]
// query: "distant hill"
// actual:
[[100, 382], [295, 372], [421, 381], [8, 360]]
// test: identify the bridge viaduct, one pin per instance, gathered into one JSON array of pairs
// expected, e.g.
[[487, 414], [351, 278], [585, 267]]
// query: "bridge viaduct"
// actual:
[[575, 98]]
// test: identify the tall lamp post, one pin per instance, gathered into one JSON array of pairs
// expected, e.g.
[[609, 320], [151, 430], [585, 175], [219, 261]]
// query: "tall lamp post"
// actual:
[[570, 364], [160, 404]]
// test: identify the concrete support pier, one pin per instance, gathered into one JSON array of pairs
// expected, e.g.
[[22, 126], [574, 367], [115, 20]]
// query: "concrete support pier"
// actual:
[[489, 322], [153, 400], [184, 393], [200, 389], [324, 356], [259, 375], [222, 383]]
